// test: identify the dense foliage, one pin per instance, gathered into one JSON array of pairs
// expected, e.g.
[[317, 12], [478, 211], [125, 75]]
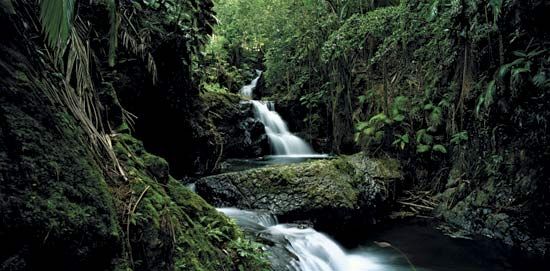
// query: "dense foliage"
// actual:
[[458, 89], [412, 76]]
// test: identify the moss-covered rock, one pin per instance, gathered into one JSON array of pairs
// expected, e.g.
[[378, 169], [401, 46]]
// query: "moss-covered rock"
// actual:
[[347, 188], [169, 227], [56, 209]]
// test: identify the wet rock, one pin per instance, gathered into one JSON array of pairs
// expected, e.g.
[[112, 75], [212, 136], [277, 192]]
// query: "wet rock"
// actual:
[[352, 188], [243, 136], [496, 207]]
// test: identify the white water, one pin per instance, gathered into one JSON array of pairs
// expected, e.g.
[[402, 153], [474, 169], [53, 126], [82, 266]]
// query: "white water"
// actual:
[[314, 250], [282, 141], [246, 91]]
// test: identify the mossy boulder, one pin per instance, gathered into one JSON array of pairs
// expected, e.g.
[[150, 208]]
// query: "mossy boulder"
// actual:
[[349, 188]]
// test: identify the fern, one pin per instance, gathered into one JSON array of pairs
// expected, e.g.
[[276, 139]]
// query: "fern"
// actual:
[[56, 17]]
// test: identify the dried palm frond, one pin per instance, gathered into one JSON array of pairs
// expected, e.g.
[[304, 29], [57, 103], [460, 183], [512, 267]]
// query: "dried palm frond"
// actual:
[[138, 46], [129, 118], [78, 95]]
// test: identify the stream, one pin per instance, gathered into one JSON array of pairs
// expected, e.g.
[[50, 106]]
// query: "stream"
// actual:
[[388, 247], [412, 244]]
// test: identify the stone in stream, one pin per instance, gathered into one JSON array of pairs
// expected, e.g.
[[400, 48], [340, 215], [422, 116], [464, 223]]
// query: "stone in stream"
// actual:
[[349, 189]]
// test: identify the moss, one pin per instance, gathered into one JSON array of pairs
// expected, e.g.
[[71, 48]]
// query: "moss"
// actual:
[[56, 208], [172, 227], [220, 101], [59, 212]]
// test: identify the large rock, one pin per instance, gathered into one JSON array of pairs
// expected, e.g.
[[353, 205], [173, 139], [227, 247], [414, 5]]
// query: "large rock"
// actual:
[[506, 207], [240, 134], [353, 188]]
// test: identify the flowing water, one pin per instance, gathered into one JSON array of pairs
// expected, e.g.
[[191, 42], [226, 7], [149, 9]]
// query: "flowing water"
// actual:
[[395, 246], [282, 141], [314, 251], [407, 245]]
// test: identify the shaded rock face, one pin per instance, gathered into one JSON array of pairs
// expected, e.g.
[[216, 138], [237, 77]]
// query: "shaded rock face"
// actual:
[[246, 138], [55, 208], [348, 189], [241, 135], [510, 208]]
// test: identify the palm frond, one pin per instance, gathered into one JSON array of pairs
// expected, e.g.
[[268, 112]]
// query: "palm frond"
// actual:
[[113, 32], [56, 17], [7, 6], [130, 36]]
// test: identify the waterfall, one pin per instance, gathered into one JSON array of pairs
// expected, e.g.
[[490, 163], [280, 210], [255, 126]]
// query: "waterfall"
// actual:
[[314, 250], [282, 141], [246, 91]]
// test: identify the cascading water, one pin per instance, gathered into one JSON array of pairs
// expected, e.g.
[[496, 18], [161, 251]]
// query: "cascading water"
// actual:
[[282, 141], [314, 250]]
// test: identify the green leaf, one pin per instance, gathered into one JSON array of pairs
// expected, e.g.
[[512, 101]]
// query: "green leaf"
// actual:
[[113, 32], [433, 11], [362, 99], [480, 102], [504, 69], [489, 94], [56, 17], [436, 116], [399, 118], [422, 148], [459, 137], [539, 79], [420, 134], [405, 138], [369, 131], [519, 54], [428, 107], [535, 53], [378, 118], [361, 126], [440, 148], [496, 6]]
